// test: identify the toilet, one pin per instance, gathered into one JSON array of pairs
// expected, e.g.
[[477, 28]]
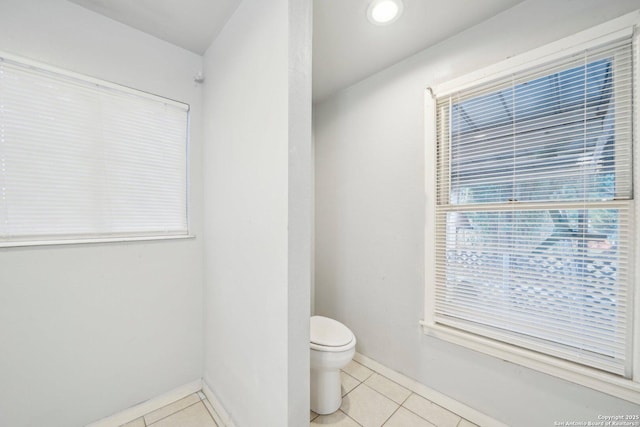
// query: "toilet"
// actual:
[[332, 348]]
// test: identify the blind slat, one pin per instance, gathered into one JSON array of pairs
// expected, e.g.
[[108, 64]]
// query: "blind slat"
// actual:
[[533, 208], [81, 159]]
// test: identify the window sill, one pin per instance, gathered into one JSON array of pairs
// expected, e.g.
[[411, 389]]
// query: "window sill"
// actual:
[[598, 380], [78, 241]]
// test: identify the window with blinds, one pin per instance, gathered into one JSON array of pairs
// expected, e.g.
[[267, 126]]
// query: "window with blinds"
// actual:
[[86, 159], [534, 208]]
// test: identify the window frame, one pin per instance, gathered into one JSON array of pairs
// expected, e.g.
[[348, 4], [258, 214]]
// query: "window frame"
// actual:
[[628, 389], [71, 239]]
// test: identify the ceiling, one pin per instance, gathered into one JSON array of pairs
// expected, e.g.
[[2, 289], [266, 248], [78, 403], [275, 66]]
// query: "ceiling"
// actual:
[[191, 24], [346, 47]]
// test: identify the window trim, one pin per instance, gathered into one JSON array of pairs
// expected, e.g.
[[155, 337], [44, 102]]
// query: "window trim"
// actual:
[[122, 239], [627, 389], [115, 238]]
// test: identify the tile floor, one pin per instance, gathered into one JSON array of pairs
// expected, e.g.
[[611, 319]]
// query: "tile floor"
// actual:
[[369, 400], [372, 400], [192, 411]]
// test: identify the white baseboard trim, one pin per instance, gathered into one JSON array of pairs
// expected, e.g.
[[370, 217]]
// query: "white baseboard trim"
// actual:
[[220, 415], [150, 405], [440, 399], [222, 418]]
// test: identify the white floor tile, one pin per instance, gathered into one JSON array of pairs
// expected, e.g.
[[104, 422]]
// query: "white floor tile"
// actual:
[[357, 371], [405, 418], [348, 382], [466, 423], [368, 407], [369, 400], [193, 416], [337, 419], [392, 390], [431, 412], [174, 407], [135, 423]]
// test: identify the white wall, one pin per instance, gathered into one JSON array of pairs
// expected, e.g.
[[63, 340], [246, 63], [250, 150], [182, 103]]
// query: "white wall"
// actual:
[[370, 218], [257, 211], [89, 330]]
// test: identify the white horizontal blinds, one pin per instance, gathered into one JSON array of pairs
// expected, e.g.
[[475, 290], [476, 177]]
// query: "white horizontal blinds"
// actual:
[[533, 215], [85, 160]]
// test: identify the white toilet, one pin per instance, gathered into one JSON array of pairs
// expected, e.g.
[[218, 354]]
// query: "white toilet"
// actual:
[[332, 348]]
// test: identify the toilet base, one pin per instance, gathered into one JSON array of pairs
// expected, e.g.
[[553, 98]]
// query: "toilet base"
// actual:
[[326, 391]]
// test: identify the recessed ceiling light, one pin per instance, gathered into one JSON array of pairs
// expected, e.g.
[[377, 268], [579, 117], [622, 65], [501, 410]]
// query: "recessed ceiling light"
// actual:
[[383, 12]]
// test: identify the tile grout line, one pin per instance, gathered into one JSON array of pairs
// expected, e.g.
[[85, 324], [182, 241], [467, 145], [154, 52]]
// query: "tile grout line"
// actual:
[[367, 368], [419, 390], [352, 419], [420, 416], [208, 411], [401, 405], [382, 394], [347, 393], [399, 385], [359, 382], [348, 374], [392, 414], [342, 397], [392, 381], [429, 421], [388, 398], [173, 413], [212, 412], [406, 398], [411, 392], [376, 391]]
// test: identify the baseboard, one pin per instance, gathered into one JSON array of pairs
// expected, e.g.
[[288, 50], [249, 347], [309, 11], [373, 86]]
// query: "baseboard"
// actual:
[[440, 399], [143, 408], [222, 418], [220, 415]]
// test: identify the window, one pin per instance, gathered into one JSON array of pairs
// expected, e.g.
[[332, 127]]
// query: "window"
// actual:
[[86, 159], [532, 214]]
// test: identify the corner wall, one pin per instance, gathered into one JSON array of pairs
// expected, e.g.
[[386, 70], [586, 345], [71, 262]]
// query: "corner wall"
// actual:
[[89, 330], [370, 207], [257, 213]]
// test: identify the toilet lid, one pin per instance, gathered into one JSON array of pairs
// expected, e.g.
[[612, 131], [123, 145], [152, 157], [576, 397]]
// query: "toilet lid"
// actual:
[[329, 332]]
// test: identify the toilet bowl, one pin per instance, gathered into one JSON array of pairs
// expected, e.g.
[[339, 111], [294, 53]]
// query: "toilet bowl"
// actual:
[[332, 348]]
